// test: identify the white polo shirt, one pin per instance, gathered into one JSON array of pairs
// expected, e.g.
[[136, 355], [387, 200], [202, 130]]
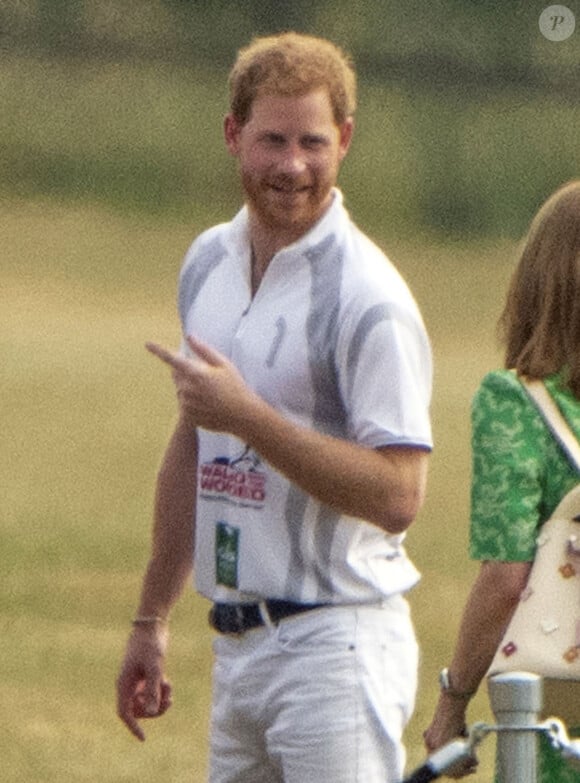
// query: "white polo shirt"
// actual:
[[333, 339]]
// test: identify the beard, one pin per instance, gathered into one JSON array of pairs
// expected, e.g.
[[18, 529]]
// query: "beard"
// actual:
[[286, 204]]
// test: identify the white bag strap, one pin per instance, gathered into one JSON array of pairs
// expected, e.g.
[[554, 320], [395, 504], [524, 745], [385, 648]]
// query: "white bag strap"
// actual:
[[554, 419]]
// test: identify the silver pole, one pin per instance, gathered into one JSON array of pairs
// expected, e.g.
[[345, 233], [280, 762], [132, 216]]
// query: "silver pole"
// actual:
[[516, 700]]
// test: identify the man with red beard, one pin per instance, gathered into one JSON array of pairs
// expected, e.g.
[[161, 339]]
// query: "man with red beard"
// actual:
[[299, 458]]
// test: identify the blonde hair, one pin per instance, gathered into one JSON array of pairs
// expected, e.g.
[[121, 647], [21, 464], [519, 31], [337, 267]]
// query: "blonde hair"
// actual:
[[540, 323], [292, 64]]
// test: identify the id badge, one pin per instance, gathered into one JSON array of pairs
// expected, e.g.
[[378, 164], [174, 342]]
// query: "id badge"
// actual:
[[227, 542]]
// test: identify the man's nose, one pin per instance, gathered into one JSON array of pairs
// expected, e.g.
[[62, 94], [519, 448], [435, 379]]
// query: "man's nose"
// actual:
[[294, 159]]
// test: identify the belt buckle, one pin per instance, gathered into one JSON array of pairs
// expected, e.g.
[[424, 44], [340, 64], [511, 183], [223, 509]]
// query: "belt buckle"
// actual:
[[227, 618]]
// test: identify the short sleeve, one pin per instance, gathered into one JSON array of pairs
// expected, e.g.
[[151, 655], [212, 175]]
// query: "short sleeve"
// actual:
[[386, 380], [507, 474]]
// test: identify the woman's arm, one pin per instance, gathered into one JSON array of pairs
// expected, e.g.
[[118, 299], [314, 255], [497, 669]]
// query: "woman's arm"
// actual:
[[489, 608]]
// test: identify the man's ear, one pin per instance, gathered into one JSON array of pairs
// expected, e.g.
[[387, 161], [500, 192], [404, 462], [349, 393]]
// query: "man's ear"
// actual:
[[232, 130], [346, 133]]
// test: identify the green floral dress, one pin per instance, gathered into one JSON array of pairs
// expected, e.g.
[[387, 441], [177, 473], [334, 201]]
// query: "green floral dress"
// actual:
[[519, 475]]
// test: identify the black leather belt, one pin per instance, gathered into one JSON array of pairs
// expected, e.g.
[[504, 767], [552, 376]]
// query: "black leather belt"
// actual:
[[238, 618]]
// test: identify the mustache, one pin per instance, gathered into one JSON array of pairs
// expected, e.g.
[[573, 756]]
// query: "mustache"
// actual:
[[288, 182]]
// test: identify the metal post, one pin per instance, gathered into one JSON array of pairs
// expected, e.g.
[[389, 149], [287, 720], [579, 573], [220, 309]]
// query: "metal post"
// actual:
[[516, 700]]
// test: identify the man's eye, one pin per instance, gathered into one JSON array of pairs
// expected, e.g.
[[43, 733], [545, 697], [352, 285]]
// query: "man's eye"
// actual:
[[313, 142]]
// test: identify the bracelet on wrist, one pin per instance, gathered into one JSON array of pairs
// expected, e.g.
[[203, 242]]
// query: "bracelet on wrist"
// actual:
[[145, 620], [447, 687]]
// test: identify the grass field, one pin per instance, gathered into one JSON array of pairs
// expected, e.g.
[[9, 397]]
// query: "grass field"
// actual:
[[86, 413]]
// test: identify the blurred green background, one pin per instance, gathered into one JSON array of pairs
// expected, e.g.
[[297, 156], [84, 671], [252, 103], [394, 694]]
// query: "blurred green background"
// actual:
[[111, 160]]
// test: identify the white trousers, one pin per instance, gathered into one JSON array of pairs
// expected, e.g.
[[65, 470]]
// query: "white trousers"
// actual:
[[321, 698]]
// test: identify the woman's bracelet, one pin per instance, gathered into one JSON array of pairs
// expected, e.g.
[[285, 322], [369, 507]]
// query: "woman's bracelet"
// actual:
[[447, 687]]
